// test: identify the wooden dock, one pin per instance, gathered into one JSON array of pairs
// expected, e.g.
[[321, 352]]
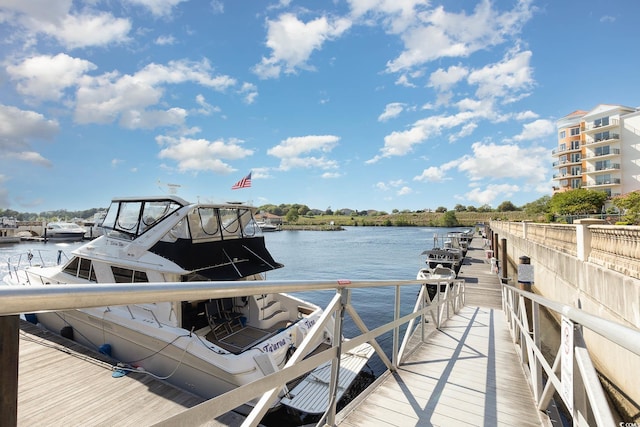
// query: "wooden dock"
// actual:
[[61, 383], [466, 374]]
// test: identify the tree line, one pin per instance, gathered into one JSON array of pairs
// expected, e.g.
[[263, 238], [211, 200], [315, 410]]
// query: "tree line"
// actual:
[[545, 209]]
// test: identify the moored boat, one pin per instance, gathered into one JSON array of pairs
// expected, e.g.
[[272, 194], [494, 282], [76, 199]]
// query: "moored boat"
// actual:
[[9, 230], [207, 346], [64, 231], [267, 227], [437, 278]]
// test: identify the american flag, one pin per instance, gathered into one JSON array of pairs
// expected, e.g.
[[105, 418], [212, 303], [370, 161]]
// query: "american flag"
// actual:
[[243, 183]]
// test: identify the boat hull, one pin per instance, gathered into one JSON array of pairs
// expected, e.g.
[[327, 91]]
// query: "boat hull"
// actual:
[[185, 360]]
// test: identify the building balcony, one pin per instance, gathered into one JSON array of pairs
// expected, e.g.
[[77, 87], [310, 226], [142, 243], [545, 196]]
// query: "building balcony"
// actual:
[[608, 138], [566, 162], [612, 152], [556, 151], [599, 183], [597, 169], [591, 127]]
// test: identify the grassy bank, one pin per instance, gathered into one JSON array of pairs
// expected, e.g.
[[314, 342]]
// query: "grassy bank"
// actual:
[[407, 219]]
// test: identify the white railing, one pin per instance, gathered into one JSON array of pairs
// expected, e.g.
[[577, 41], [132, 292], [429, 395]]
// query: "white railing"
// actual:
[[577, 382], [27, 299]]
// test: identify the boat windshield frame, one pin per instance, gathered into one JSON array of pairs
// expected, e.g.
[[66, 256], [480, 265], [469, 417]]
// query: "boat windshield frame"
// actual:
[[130, 218]]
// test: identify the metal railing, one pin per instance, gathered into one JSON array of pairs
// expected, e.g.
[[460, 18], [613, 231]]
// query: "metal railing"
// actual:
[[37, 298], [576, 382]]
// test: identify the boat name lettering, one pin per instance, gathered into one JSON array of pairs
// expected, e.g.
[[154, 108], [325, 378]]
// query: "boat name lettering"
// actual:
[[271, 347], [308, 323]]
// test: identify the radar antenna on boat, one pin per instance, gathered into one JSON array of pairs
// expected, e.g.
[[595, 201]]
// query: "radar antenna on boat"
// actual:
[[168, 187]]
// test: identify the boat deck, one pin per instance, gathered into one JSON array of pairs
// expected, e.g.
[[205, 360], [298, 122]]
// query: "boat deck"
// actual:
[[61, 383]]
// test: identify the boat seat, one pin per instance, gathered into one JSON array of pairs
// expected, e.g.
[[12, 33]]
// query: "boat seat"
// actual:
[[227, 311], [217, 321]]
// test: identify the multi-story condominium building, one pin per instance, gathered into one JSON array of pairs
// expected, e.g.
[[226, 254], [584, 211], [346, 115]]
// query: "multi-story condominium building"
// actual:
[[599, 150]]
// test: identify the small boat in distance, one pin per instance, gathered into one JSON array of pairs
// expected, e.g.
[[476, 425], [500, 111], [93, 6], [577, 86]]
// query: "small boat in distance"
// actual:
[[267, 227], [9, 230], [64, 231], [204, 346]]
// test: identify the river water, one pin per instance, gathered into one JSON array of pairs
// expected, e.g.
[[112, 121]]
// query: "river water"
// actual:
[[355, 253]]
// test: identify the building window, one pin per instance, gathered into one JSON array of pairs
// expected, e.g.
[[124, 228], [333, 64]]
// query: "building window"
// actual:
[[604, 121], [575, 131], [563, 134], [576, 183], [575, 145]]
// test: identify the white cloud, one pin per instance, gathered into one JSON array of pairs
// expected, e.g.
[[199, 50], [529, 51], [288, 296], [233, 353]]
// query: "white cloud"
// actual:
[[390, 111], [536, 130], [45, 77], [295, 146], [404, 191], [443, 80], [505, 79], [431, 174], [400, 143], [157, 7], [165, 40], [110, 96], [72, 30], [445, 34], [436, 173], [395, 15], [194, 155], [491, 193], [18, 127], [526, 115], [31, 157], [506, 161], [293, 41], [249, 91], [331, 175], [293, 151]]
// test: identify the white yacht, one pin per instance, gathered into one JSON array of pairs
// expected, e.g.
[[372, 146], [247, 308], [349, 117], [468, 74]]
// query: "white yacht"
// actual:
[[208, 346], [64, 231]]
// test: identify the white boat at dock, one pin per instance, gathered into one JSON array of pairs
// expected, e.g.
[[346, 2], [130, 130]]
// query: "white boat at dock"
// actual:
[[206, 346], [9, 230], [437, 278], [64, 232]]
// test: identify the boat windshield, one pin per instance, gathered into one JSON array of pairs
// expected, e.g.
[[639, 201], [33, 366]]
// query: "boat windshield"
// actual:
[[220, 223], [129, 219]]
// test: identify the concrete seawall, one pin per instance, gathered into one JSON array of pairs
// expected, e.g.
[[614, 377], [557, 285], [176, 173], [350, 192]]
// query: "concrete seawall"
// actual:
[[573, 267]]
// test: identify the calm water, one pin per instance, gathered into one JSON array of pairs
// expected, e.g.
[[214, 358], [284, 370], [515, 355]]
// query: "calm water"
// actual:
[[357, 253]]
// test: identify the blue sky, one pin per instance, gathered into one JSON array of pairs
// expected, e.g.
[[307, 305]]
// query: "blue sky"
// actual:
[[361, 104]]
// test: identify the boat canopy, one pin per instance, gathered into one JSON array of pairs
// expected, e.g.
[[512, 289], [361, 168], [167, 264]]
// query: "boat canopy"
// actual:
[[209, 242]]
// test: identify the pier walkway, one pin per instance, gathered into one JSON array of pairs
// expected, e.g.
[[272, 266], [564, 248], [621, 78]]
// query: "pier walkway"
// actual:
[[467, 373]]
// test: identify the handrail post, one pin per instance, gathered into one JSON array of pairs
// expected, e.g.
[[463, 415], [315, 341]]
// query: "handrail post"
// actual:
[[396, 331], [345, 297], [9, 354]]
